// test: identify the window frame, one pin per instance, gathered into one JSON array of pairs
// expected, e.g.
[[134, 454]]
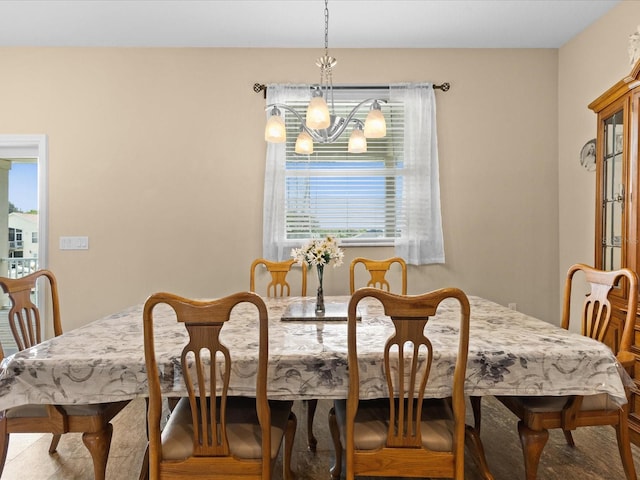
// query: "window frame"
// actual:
[[355, 170]]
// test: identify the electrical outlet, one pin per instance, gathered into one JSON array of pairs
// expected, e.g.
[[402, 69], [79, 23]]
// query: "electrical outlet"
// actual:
[[513, 306]]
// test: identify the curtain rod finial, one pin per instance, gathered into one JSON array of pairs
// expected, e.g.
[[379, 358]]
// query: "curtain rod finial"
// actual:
[[260, 87]]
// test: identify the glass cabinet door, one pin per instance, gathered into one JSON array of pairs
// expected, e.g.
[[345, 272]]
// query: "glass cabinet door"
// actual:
[[612, 192]]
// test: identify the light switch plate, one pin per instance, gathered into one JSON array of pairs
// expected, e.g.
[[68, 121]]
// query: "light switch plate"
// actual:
[[74, 243]]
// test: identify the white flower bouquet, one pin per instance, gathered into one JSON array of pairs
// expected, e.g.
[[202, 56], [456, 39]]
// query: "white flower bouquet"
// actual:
[[319, 252]]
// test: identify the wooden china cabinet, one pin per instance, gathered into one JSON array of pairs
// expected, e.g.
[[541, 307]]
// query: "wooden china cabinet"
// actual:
[[617, 238]]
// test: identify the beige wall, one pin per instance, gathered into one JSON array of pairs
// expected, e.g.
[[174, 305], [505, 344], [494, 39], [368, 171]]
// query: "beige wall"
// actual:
[[157, 155], [588, 65]]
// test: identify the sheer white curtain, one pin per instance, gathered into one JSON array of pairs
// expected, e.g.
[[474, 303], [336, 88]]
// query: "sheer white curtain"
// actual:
[[421, 242], [274, 244]]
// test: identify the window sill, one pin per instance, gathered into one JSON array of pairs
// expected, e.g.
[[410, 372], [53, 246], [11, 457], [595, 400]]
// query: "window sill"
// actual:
[[365, 242]]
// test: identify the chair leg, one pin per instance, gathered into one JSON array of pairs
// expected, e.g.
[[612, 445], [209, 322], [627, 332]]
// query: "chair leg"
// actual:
[[472, 440], [98, 444], [569, 438], [289, 438], [171, 401], [336, 469], [624, 445], [533, 442], [144, 469], [476, 406], [4, 442], [54, 443], [311, 412]]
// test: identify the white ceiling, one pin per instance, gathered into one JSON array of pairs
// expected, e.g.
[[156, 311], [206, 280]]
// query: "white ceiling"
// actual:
[[298, 23]]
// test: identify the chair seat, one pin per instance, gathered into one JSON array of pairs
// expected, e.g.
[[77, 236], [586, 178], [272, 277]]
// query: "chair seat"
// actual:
[[35, 411], [372, 424], [243, 429], [29, 411], [534, 404]]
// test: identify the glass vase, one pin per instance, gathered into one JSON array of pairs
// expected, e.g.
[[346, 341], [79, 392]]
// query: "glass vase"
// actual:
[[320, 295]]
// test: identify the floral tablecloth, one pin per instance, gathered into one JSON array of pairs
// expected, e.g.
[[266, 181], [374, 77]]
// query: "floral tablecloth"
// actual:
[[509, 353]]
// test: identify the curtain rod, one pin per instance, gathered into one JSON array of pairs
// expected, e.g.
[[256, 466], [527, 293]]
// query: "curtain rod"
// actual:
[[261, 87]]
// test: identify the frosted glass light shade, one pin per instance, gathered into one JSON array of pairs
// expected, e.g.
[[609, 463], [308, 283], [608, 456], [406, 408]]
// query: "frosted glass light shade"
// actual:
[[304, 144], [318, 114], [275, 131], [357, 141], [375, 125]]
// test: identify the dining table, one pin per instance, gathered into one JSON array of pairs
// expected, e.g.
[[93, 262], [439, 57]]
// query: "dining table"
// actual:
[[510, 353]]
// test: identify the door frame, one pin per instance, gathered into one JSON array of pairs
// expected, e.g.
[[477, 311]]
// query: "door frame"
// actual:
[[33, 146]]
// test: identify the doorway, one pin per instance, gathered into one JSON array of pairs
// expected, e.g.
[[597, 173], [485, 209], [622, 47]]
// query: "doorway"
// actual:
[[23, 216]]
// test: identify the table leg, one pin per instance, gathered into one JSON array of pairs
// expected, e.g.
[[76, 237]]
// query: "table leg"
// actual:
[[533, 442], [289, 438], [336, 469], [98, 443], [311, 412]]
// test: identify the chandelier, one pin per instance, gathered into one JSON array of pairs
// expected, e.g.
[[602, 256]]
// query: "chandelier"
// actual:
[[321, 125]]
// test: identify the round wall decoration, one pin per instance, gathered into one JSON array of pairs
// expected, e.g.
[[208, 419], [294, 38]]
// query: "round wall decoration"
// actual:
[[588, 155]]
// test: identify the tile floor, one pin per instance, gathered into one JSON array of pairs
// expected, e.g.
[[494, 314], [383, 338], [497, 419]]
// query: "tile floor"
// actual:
[[595, 457]]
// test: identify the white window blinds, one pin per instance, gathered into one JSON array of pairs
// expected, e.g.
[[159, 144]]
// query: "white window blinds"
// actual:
[[354, 197]]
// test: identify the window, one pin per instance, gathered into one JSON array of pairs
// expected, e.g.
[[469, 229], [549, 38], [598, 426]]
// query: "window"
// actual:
[[34, 237], [354, 197], [15, 238], [386, 196]]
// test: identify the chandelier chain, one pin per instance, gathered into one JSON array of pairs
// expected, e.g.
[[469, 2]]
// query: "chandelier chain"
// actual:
[[326, 27], [326, 68]]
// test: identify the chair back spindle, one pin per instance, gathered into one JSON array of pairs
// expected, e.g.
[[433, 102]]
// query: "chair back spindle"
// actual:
[[204, 344]]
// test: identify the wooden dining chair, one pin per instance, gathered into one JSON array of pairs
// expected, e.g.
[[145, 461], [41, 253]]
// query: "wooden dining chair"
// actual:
[[539, 414], [279, 287], [209, 433], [93, 421], [405, 434], [377, 270]]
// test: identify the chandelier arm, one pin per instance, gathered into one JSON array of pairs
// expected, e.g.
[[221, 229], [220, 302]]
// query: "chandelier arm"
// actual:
[[286, 107], [335, 134], [357, 107], [314, 133]]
